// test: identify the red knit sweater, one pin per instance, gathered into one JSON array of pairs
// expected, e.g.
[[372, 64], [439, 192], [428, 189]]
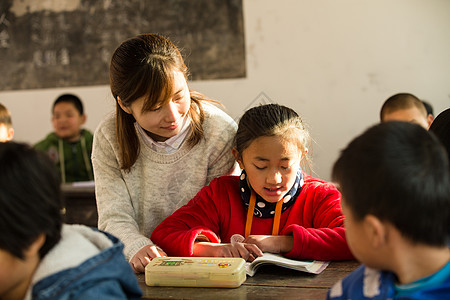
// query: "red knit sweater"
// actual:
[[315, 220]]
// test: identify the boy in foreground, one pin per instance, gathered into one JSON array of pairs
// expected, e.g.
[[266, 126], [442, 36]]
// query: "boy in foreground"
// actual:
[[395, 185], [42, 258]]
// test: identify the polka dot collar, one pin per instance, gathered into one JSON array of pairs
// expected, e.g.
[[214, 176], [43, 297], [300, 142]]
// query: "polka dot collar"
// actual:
[[264, 209]]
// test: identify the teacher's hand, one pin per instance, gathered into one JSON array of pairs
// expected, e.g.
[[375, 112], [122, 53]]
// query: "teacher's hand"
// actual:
[[144, 256]]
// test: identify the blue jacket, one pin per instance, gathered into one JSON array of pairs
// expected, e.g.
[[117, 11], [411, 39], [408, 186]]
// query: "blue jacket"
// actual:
[[105, 275], [366, 283]]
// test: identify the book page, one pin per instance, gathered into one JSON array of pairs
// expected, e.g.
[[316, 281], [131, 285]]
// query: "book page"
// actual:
[[309, 266]]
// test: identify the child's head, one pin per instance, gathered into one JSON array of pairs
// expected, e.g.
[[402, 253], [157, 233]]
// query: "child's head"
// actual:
[[30, 210], [441, 128], [148, 82], [270, 143], [6, 130], [404, 107], [68, 117], [396, 173]]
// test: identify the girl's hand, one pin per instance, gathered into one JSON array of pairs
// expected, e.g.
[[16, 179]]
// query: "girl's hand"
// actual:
[[246, 251], [272, 243], [144, 256]]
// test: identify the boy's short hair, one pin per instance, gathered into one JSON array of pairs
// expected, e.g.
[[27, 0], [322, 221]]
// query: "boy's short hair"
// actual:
[[401, 101], [428, 108], [398, 172], [5, 116], [70, 98], [30, 199]]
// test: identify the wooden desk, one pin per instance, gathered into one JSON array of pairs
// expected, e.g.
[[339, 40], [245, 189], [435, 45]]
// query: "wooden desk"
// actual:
[[269, 282], [80, 204]]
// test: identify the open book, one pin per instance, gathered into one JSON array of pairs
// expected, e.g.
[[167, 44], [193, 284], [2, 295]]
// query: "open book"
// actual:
[[314, 266]]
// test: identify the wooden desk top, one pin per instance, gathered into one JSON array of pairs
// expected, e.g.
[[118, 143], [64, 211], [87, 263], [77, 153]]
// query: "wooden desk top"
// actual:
[[269, 282]]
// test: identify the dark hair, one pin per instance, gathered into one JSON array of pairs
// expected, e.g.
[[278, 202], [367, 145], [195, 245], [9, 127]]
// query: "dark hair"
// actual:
[[398, 172], [143, 66], [270, 120], [5, 116], [441, 128], [428, 107], [70, 98], [30, 199], [401, 101]]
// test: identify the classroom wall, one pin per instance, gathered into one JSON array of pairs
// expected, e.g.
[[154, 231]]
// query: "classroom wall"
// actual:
[[334, 62]]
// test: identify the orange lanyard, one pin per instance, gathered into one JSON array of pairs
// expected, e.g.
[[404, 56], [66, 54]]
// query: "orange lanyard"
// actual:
[[251, 209]]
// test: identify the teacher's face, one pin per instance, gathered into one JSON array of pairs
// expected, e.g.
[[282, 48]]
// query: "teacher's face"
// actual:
[[164, 121]]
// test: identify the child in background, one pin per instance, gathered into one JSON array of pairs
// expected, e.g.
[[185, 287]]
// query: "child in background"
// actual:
[[6, 130], [42, 258], [163, 144], [405, 107], [273, 204], [69, 146], [394, 180]]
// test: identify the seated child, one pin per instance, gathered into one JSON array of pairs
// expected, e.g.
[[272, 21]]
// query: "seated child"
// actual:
[[40, 258], [405, 107], [273, 206], [6, 130], [441, 128], [69, 146], [394, 180]]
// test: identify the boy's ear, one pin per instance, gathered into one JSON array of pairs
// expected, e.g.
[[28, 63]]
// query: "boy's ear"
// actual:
[[33, 249], [430, 119], [10, 133], [237, 157], [83, 118], [375, 230], [122, 106]]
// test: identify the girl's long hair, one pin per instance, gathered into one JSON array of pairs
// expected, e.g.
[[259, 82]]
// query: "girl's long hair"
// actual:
[[143, 66]]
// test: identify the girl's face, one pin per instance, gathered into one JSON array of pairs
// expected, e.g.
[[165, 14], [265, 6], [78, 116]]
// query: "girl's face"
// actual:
[[271, 163], [165, 121], [67, 121]]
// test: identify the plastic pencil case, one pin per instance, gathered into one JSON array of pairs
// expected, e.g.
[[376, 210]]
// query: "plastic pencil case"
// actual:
[[195, 272]]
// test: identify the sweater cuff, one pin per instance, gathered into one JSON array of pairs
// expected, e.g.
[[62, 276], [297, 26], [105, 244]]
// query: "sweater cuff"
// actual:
[[201, 233], [298, 236], [132, 249]]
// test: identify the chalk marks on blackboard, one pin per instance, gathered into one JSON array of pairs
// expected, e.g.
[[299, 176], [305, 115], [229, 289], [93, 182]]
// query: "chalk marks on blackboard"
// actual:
[[46, 44]]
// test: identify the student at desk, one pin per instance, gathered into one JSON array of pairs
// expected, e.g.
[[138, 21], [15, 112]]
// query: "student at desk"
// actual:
[[69, 146], [273, 206], [42, 258], [394, 180]]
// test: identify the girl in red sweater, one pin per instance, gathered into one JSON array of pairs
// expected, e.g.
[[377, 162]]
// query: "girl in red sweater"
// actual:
[[272, 207]]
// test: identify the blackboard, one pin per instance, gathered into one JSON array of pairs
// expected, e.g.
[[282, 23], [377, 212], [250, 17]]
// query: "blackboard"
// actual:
[[45, 44]]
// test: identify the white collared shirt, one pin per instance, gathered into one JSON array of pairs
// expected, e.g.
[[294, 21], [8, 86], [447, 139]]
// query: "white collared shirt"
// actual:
[[171, 144]]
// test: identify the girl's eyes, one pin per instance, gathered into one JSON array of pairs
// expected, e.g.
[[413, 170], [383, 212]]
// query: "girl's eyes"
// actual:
[[174, 99], [262, 168]]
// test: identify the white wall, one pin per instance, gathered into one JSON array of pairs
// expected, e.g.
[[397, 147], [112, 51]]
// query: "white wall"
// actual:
[[334, 62]]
